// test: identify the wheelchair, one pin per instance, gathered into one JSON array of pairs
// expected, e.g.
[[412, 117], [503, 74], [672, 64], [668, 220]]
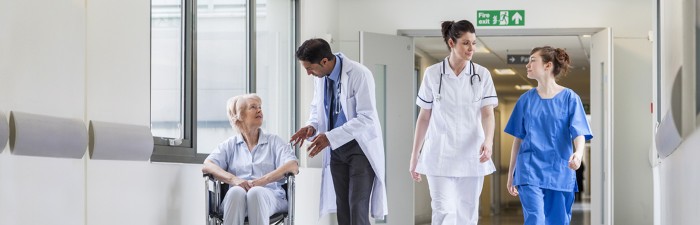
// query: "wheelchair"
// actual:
[[216, 190]]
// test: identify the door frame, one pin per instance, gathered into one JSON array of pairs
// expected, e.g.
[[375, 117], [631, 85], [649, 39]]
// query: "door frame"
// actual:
[[393, 56], [601, 182]]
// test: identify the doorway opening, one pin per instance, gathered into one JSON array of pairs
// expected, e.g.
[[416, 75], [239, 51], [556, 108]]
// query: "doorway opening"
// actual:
[[591, 53]]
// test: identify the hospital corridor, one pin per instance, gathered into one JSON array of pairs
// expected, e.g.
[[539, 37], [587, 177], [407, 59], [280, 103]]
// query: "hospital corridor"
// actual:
[[349, 112]]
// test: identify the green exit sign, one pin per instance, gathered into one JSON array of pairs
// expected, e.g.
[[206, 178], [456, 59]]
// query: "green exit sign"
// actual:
[[500, 17]]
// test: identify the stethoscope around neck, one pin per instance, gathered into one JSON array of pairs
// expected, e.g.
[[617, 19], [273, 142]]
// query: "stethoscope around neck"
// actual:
[[473, 78]]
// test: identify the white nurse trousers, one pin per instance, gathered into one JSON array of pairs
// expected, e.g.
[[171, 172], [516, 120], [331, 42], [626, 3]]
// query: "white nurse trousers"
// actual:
[[455, 200]]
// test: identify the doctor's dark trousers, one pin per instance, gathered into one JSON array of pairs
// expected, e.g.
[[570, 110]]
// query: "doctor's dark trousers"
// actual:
[[353, 179]]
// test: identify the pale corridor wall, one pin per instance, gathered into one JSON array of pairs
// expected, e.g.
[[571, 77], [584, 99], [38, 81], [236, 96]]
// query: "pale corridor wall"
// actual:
[[86, 60], [678, 172], [42, 75]]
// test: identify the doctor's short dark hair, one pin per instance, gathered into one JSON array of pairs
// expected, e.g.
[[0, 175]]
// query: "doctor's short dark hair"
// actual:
[[314, 50], [455, 30]]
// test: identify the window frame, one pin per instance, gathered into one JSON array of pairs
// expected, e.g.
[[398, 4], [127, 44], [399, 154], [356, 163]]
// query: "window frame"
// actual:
[[173, 150]]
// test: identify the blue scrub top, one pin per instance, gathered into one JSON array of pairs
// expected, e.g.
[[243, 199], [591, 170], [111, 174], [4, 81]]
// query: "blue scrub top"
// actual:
[[547, 128]]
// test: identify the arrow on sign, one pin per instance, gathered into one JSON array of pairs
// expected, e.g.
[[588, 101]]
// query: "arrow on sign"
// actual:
[[517, 59], [517, 18]]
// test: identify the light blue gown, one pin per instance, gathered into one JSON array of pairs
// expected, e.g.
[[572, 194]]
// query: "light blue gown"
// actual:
[[547, 128], [258, 203]]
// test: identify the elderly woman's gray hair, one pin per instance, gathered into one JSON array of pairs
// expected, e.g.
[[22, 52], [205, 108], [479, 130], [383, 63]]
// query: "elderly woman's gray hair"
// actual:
[[235, 105]]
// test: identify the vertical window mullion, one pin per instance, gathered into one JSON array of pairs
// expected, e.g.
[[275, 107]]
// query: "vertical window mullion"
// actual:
[[251, 45], [295, 21], [658, 61], [190, 73]]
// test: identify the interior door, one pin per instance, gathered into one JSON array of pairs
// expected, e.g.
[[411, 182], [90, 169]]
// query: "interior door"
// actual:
[[495, 178], [601, 123], [390, 58]]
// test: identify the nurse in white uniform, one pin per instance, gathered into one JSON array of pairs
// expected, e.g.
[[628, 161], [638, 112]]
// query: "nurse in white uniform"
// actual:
[[456, 122]]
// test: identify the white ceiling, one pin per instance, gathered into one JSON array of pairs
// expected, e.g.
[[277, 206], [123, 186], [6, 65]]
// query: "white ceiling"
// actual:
[[577, 47]]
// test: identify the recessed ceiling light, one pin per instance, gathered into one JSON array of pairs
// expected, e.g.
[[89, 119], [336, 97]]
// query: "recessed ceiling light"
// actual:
[[586, 35], [504, 71], [523, 87], [482, 49]]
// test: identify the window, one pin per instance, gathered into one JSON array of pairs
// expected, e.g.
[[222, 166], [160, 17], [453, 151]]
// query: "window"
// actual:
[[201, 57], [166, 68], [275, 64], [221, 67]]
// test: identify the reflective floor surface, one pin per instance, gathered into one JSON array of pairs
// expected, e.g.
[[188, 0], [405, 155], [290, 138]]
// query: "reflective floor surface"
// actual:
[[580, 216]]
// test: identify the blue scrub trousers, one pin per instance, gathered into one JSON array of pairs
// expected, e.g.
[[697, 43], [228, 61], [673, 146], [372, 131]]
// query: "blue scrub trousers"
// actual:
[[544, 206]]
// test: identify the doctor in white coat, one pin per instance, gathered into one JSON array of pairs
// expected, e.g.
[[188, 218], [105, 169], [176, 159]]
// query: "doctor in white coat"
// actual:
[[345, 127]]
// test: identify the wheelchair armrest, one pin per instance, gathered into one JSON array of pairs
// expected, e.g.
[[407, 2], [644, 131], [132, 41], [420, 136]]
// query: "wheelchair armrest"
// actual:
[[210, 177], [291, 188]]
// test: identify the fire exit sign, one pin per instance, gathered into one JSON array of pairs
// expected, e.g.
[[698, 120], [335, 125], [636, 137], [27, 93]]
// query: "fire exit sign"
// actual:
[[500, 17]]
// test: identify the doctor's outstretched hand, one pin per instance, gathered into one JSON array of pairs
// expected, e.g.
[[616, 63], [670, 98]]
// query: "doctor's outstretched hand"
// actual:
[[485, 153], [301, 134], [319, 143]]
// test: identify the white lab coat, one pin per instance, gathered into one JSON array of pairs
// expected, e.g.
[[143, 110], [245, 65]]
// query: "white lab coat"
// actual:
[[357, 99]]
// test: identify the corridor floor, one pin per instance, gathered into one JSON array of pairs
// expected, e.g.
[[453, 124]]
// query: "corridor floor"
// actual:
[[580, 216]]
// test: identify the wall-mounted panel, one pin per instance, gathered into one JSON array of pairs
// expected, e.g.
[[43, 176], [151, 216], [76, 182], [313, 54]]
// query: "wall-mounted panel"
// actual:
[[113, 141], [47, 136]]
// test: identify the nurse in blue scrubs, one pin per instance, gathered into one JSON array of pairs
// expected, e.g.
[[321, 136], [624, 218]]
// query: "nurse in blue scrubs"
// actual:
[[550, 130]]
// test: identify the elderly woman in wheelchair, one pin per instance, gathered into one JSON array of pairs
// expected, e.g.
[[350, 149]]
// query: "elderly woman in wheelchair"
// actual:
[[253, 163]]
